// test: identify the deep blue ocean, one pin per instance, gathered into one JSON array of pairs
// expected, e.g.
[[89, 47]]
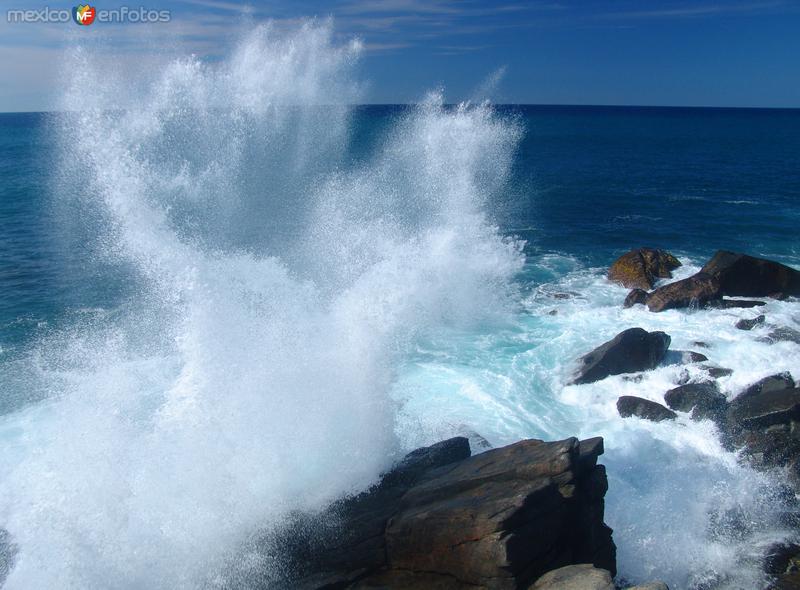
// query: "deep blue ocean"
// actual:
[[587, 182], [211, 317]]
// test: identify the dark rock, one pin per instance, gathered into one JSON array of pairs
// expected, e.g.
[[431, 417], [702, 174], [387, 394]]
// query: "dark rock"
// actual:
[[735, 303], [583, 576], [703, 400], [701, 344], [697, 290], [776, 382], [640, 268], [496, 520], [635, 297], [782, 334], [741, 275], [630, 351], [782, 558], [629, 405], [750, 324], [8, 554], [765, 425], [787, 582]]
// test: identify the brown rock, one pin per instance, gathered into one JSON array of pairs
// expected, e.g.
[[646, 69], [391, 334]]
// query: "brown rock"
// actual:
[[697, 290], [640, 268]]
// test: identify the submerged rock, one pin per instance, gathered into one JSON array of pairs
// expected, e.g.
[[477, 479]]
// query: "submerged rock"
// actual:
[[748, 276], [697, 290], [499, 520], [782, 334], [641, 267], [750, 324], [629, 406], [650, 586], [583, 576], [630, 351]]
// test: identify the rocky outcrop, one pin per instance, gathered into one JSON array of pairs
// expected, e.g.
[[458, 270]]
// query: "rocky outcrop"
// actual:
[[748, 276], [583, 576], [441, 519], [703, 400], [631, 406], [765, 421], [630, 351], [697, 290], [750, 324], [635, 297], [641, 267], [726, 274]]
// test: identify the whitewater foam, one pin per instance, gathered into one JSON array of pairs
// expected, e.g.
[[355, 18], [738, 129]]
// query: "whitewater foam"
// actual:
[[273, 290]]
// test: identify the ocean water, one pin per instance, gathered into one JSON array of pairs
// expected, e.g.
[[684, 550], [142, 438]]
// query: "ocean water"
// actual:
[[226, 294]]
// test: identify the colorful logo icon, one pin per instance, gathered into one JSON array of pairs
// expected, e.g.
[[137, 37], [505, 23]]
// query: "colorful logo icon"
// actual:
[[83, 14]]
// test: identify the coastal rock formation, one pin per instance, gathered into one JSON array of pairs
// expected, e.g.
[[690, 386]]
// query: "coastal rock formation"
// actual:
[[748, 276], [583, 576], [629, 406], [443, 519], [703, 400], [697, 290], [750, 324], [726, 274], [635, 297], [641, 267], [630, 351], [765, 421]]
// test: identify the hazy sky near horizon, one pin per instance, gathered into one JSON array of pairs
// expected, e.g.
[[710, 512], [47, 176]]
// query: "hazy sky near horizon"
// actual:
[[626, 52]]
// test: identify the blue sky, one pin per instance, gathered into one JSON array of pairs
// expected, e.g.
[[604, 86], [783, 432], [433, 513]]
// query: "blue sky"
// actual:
[[714, 53]]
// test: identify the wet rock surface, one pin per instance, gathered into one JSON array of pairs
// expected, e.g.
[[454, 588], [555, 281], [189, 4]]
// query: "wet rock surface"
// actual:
[[630, 351], [640, 268], [500, 519], [631, 406]]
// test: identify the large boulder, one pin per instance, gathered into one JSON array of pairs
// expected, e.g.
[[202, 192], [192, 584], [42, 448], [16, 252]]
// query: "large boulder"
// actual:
[[631, 406], [765, 422], [641, 267], [630, 351], [703, 400], [748, 276], [697, 290], [583, 576], [497, 520]]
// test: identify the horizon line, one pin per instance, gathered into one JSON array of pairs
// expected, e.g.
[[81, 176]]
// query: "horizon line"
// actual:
[[510, 104]]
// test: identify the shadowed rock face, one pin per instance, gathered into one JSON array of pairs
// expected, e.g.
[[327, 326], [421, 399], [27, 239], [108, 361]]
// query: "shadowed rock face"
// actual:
[[703, 400], [498, 520], [630, 351], [641, 267], [629, 406], [748, 276], [697, 290]]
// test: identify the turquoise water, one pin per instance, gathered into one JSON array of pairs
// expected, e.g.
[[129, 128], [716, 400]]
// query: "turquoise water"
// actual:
[[210, 317]]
